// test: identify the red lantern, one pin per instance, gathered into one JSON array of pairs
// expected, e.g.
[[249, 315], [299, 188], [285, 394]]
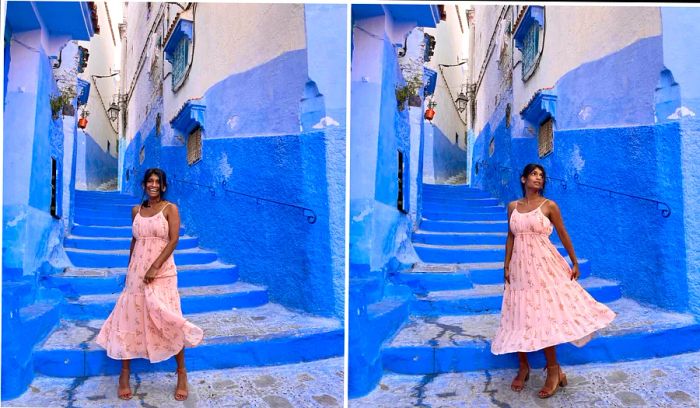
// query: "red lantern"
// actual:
[[429, 114], [82, 123]]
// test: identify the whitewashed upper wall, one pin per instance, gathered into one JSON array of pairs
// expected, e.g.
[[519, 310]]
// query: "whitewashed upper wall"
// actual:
[[451, 48], [594, 31], [104, 60]]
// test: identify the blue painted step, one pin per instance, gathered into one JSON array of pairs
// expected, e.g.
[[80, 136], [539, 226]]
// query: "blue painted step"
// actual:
[[459, 238], [111, 221], [193, 299], [434, 345], [464, 226], [106, 231], [451, 211], [458, 203], [488, 298], [465, 216], [75, 282], [424, 280], [492, 272], [96, 210], [106, 259], [464, 253], [109, 244], [265, 335]]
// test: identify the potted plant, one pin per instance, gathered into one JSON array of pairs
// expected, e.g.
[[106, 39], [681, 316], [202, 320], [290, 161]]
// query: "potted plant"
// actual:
[[409, 92], [82, 122], [59, 101], [430, 112]]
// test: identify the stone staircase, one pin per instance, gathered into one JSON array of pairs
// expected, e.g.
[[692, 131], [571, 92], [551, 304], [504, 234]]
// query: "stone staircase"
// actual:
[[457, 293], [241, 327]]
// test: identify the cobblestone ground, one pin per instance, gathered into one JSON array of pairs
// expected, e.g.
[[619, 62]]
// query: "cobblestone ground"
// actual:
[[314, 384], [663, 382]]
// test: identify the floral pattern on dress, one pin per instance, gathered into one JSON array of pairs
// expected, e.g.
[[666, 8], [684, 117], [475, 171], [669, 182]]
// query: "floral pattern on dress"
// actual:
[[147, 320], [542, 306]]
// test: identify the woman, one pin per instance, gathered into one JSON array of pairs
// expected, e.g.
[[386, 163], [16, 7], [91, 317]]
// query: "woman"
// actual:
[[543, 304], [147, 321]]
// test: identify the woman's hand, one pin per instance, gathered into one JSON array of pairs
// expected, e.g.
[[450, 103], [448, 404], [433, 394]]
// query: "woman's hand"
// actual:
[[506, 274], [575, 273], [151, 274]]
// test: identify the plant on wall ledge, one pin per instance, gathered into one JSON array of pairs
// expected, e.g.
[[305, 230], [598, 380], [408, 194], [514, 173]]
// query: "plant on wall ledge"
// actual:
[[408, 92], [60, 100], [430, 112], [82, 122]]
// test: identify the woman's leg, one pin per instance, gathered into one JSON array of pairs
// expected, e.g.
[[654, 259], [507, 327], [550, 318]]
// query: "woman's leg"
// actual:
[[554, 375], [181, 388], [523, 373], [124, 391]]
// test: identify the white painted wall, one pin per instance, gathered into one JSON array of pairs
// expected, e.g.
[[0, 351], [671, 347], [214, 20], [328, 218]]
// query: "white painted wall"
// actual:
[[600, 31], [104, 60], [451, 48], [238, 38]]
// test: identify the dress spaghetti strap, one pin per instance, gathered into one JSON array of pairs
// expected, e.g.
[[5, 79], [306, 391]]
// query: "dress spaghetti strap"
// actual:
[[545, 200]]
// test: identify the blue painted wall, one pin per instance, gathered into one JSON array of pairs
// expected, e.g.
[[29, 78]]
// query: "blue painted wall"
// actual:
[[379, 233], [680, 34], [605, 133], [98, 166], [272, 244], [31, 237], [447, 158]]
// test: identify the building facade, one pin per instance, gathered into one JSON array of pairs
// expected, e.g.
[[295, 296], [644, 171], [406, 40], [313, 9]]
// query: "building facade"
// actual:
[[609, 109]]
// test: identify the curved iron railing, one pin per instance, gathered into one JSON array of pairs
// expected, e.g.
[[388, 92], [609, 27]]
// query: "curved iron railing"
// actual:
[[307, 212], [660, 205]]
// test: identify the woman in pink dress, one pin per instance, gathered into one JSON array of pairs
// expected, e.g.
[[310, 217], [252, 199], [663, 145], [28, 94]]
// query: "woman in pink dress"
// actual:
[[543, 304], [147, 321]]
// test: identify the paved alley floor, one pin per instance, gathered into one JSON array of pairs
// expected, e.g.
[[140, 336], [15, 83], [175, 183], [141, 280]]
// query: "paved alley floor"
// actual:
[[313, 384], [662, 382]]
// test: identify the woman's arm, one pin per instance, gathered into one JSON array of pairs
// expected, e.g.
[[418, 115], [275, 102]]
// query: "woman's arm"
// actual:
[[558, 222], [134, 211], [173, 216], [509, 245]]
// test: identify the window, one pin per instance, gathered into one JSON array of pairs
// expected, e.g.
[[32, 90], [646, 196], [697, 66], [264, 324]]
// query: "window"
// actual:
[[399, 198], [492, 147], [180, 61], [142, 154], [545, 138], [529, 38], [507, 116], [54, 180], [108, 147], [530, 49], [194, 146]]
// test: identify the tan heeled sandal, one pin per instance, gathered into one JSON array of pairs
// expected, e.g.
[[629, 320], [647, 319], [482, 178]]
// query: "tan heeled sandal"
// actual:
[[561, 382], [518, 385], [181, 394], [124, 393]]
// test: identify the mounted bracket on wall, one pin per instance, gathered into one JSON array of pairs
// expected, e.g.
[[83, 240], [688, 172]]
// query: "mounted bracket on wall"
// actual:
[[190, 117], [540, 112]]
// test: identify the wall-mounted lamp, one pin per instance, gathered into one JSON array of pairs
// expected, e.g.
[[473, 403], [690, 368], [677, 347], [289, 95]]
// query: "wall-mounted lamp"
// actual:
[[461, 100], [118, 100]]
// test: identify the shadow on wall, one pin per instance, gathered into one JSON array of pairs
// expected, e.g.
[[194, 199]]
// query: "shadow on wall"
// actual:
[[94, 166]]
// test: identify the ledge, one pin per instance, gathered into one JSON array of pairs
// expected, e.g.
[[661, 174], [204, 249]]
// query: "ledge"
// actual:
[[180, 28], [190, 116], [542, 106], [532, 15]]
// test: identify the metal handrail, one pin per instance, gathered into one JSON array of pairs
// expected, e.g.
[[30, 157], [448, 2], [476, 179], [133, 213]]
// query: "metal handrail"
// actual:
[[660, 205], [308, 213]]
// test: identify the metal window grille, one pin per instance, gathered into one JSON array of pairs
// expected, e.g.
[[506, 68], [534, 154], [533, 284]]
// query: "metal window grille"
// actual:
[[545, 138], [53, 210], [399, 198], [180, 65], [530, 50], [194, 147]]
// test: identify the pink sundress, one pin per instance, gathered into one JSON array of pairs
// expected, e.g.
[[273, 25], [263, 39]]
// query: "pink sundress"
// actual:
[[542, 306], [147, 320]]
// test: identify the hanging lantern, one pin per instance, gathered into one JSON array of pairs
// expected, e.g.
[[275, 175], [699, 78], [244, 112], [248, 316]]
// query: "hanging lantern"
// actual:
[[461, 102]]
